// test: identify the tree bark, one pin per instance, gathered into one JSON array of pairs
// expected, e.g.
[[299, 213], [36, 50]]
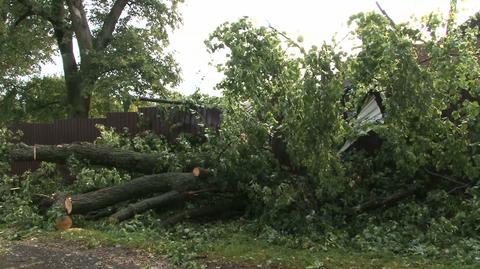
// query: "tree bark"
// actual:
[[101, 213], [96, 154], [78, 100], [80, 26], [134, 189], [207, 211], [144, 205], [156, 202], [105, 35]]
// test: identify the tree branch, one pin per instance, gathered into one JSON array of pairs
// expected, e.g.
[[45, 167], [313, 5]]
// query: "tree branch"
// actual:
[[105, 35], [293, 43], [451, 16], [63, 37], [80, 26], [161, 101], [447, 178]]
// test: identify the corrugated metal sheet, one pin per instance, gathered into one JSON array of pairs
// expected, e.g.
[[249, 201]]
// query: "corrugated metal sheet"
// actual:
[[370, 113]]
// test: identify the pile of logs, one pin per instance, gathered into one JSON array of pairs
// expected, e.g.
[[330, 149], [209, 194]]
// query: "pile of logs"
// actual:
[[151, 191]]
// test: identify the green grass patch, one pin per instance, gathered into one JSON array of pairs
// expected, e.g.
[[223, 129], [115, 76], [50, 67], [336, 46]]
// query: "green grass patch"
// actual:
[[243, 248], [193, 246]]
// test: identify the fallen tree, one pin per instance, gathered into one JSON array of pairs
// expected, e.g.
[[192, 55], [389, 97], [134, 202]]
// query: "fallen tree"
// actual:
[[159, 201], [96, 154], [134, 189], [155, 191], [168, 188], [144, 205]]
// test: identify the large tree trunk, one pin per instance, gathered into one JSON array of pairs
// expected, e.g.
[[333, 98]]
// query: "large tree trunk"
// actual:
[[78, 98], [77, 102], [96, 154], [134, 189]]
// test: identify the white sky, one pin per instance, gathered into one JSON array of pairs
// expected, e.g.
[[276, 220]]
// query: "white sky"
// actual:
[[315, 20]]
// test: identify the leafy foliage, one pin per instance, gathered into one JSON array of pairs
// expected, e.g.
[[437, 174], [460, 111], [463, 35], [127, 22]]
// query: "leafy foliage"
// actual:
[[19, 195], [284, 111], [121, 49], [37, 100], [286, 114], [24, 45], [430, 130]]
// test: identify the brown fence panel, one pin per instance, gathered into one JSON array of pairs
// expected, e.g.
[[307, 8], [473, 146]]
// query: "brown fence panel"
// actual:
[[122, 120], [18, 168], [65, 131]]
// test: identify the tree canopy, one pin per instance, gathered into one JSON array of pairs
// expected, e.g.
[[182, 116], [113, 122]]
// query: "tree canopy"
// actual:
[[278, 93]]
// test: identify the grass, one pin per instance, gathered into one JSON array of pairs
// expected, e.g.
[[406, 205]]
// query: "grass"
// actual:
[[194, 245], [245, 249]]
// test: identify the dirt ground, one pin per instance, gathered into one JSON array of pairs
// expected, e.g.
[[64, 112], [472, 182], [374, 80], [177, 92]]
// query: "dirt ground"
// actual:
[[64, 254], [56, 253]]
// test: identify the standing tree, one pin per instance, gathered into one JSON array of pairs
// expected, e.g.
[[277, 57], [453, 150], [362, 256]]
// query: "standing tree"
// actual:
[[120, 45]]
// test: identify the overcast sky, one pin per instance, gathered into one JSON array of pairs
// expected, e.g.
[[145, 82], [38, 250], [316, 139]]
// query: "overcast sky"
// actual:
[[315, 20]]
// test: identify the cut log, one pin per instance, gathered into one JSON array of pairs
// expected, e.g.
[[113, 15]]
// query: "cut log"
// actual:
[[208, 211], [98, 214], [68, 205], [64, 223], [144, 205], [156, 202], [96, 154], [134, 189], [202, 173]]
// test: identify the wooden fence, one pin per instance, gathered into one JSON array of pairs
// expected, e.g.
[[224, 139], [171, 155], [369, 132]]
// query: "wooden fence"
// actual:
[[169, 123]]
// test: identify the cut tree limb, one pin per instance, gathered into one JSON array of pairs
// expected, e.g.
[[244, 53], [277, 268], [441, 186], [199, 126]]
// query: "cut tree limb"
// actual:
[[207, 211], [144, 205], [64, 223], [162, 200], [202, 173], [392, 23], [134, 189], [96, 154], [68, 205], [101, 213]]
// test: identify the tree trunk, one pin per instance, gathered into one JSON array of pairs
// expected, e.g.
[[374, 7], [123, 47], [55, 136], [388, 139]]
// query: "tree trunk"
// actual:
[[78, 100], [96, 154], [134, 189]]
